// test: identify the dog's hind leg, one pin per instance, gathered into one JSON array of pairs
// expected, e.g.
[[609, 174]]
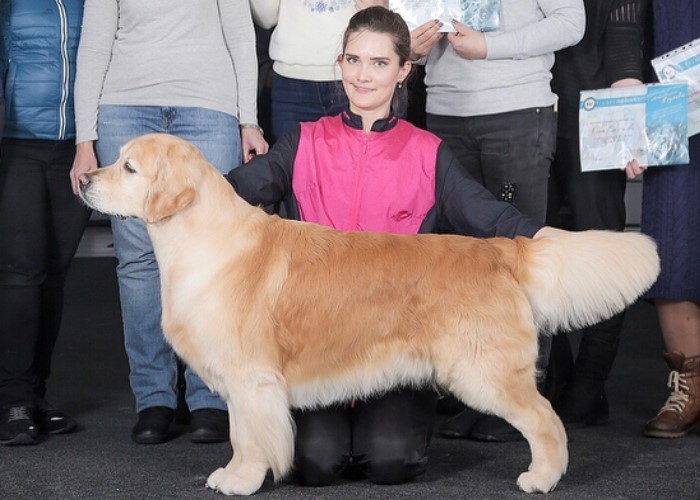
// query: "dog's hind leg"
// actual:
[[262, 433], [510, 392]]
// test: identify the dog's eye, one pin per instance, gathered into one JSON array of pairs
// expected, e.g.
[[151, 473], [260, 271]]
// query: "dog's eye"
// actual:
[[129, 168]]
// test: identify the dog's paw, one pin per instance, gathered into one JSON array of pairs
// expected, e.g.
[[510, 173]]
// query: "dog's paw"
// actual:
[[531, 482], [234, 483]]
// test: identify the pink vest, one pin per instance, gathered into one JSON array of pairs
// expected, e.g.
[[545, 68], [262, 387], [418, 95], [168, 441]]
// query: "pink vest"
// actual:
[[383, 182]]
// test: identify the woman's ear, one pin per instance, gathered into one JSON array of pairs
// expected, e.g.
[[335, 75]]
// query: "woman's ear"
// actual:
[[405, 70]]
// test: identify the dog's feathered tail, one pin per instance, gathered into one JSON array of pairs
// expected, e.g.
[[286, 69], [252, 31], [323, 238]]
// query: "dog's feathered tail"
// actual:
[[581, 278]]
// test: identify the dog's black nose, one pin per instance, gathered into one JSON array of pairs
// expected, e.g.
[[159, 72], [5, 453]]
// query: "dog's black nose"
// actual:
[[84, 181]]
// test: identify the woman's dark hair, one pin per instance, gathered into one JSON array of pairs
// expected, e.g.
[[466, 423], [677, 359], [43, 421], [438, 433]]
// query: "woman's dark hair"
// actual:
[[381, 20]]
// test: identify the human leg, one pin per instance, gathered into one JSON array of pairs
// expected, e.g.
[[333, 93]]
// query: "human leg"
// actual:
[[456, 132], [322, 445], [515, 153], [152, 362], [23, 219], [680, 326], [216, 135], [67, 218], [391, 433], [595, 200]]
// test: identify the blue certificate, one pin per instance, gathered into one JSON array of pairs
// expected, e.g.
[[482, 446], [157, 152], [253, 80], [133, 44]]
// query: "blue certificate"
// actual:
[[683, 65], [648, 123], [479, 15]]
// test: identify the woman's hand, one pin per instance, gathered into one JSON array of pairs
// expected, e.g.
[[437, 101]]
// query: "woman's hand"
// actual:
[[84, 162], [634, 169], [467, 43], [252, 143], [424, 38]]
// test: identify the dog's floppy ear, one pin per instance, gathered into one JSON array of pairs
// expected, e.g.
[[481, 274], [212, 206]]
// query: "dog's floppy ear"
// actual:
[[171, 190]]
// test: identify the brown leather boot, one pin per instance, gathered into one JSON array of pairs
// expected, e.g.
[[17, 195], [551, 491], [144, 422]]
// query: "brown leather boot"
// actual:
[[680, 415]]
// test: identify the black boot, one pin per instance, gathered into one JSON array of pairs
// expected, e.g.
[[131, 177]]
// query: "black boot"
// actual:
[[583, 401]]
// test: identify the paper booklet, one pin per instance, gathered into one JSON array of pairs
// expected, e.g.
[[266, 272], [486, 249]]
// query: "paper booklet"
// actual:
[[683, 65], [648, 123], [479, 15]]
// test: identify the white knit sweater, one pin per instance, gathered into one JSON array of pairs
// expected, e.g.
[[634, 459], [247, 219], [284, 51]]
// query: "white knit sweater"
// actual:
[[308, 34]]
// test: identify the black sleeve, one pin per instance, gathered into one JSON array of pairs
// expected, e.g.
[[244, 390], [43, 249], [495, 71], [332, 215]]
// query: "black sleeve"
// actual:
[[624, 35], [466, 207], [267, 179]]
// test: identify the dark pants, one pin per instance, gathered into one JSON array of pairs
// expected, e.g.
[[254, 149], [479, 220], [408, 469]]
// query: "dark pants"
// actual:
[[510, 154], [41, 223], [383, 439], [580, 201]]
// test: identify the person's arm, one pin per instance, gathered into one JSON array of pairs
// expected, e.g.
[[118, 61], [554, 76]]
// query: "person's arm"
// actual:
[[265, 12], [267, 179], [563, 25], [237, 26], [623, 61], [624, 37], [466, 207], [100, 21]]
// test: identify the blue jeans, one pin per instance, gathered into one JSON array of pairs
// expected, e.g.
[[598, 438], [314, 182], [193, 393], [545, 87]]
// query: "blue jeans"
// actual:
[[153, 363], [293, 101]]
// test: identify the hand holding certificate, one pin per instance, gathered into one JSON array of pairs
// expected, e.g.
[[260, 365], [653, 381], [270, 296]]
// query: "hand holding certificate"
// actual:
[[644, 122], [479, 15], [683, 65]]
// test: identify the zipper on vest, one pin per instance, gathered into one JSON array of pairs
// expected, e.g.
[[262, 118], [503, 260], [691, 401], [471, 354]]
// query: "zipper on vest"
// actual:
[[359, 185], [65, 70]]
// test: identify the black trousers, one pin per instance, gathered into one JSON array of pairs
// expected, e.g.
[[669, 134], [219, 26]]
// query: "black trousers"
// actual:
[[384, 439], [510, 154], [41, 223], [581, 201]]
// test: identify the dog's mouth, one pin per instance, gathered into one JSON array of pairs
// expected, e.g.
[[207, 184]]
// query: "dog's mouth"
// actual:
[[89, 199]]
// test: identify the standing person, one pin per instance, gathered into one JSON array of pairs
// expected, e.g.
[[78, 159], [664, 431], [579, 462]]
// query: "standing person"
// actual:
[[41, 222], [368, 170], [184, 68], [609, 55], [306, 39], [670, 214], [489, 99]]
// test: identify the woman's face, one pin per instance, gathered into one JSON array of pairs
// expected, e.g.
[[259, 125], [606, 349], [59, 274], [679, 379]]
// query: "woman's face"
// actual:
[[370, 69]]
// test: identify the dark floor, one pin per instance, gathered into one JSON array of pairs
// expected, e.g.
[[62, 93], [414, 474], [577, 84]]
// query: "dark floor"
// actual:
[[100, 461]]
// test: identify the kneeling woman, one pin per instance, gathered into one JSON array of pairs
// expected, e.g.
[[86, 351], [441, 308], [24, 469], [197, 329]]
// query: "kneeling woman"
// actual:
[[367, 170]]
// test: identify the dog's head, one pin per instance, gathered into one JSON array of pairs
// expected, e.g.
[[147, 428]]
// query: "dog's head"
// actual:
[[154, 178]]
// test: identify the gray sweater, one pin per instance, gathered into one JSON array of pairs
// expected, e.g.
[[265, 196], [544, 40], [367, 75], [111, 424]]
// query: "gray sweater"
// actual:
[[189, 53], [516, 72]]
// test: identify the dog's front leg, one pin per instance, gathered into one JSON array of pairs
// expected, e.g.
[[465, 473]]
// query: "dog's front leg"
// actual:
[[243, 475], [262, 434]]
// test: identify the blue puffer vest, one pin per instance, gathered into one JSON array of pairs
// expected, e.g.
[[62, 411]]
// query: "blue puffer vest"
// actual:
[[39, 52]]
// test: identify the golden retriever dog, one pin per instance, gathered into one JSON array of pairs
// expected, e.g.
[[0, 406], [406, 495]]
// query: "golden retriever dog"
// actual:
[[273, 313]]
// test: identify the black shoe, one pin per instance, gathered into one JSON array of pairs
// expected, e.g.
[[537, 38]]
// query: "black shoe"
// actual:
[[209, 425], [494, 429], [17, 426], [459, 426], [153, 426], [51, 420]]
